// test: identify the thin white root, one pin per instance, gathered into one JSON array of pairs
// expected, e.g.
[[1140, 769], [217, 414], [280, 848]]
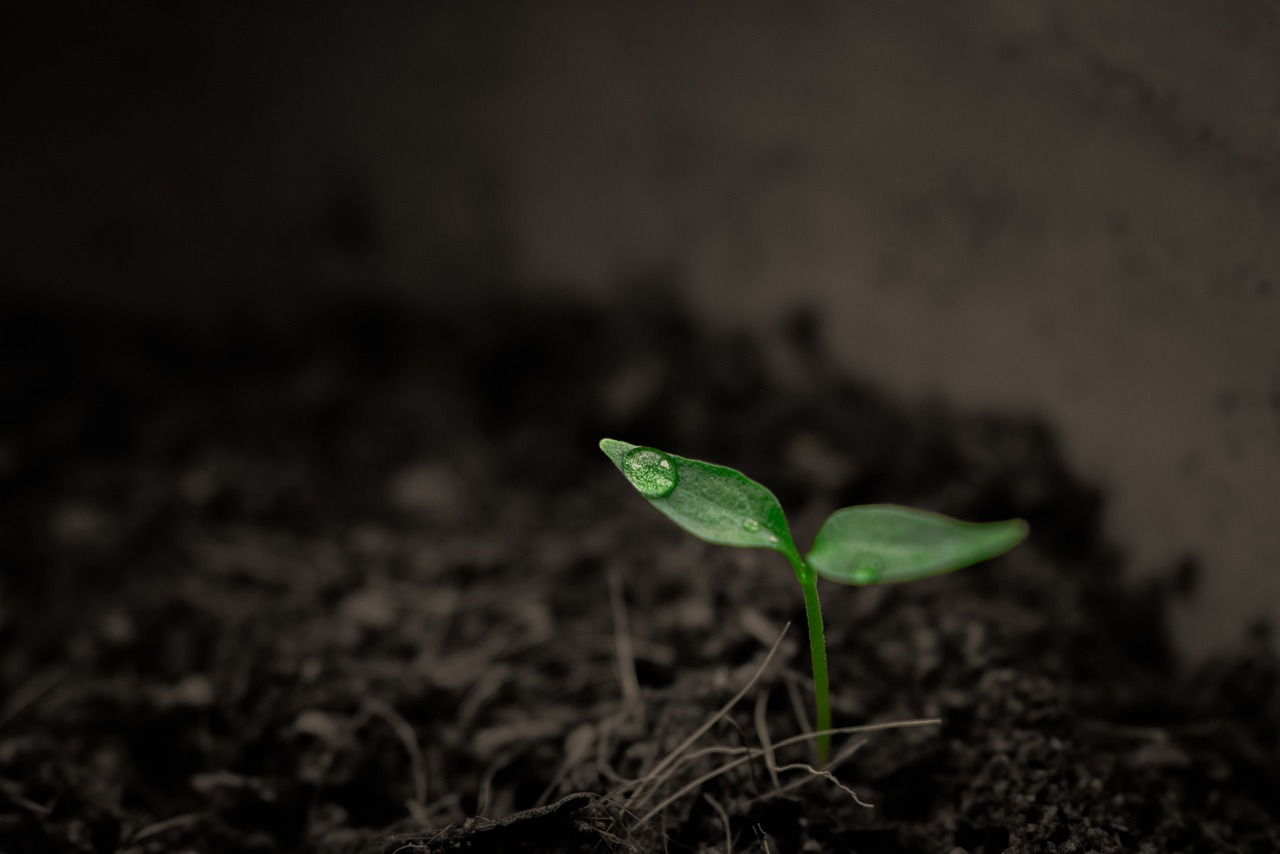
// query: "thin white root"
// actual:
[[670, 758], [724, 819], [758, 752], [802, 766], [762, 733], [409, 739], [845, 754], [624, 649]]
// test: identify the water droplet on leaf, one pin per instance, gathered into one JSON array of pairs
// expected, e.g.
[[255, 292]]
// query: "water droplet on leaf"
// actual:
[[751, 526], [650, 471], [867, 568]]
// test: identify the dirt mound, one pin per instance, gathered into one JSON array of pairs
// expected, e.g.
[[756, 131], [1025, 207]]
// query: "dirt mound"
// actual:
[[364, 582]]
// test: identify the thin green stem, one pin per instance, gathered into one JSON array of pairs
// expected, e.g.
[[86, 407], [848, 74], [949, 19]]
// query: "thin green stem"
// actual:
[[818, 653]]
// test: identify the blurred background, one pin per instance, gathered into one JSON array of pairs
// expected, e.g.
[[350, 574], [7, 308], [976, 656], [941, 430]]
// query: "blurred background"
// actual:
[[1063, 208]]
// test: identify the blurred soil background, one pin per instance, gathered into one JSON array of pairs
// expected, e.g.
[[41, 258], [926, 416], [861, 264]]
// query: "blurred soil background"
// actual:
[[1058, 207]]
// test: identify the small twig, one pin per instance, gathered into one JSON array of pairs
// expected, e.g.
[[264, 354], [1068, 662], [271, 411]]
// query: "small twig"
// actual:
[[167, 824], [710, 722], [624, 649], [407, 737], [755, 754], [724, 819], [762, 732], [802, 766], [13, 792], [763, 836], [797, 705], [484, 796], [718, 750], [449, 805], [843, 756], [29, 693], [487, 686], [795, 784]]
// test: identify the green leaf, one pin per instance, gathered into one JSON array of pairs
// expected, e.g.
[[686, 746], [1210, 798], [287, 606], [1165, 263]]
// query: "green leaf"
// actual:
[[715, 503], [886, 544]]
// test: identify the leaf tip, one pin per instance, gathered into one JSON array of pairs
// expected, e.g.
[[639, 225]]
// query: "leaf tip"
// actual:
[[615, 450], [1018, 531]]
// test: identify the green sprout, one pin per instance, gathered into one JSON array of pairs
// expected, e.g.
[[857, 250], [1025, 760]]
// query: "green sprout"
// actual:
[[863, 545]]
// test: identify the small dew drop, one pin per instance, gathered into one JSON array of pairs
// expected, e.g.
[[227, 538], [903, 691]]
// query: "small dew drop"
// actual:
[[751, 526], [867, 568], [650, 471]]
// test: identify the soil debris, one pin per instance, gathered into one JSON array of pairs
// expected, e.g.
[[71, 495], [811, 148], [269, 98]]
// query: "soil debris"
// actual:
[[362, 582]]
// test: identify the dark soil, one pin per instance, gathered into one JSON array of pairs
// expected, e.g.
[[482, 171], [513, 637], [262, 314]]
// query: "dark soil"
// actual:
[[363, 581]]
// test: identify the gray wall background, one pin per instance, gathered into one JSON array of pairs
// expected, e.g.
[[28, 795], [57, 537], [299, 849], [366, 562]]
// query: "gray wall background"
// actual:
[[1064, 207]]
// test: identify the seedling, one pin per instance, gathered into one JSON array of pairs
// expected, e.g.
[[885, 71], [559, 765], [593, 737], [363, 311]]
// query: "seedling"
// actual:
[[864, 545]]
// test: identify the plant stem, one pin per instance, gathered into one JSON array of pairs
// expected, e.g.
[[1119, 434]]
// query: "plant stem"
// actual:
[[818, 653]]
